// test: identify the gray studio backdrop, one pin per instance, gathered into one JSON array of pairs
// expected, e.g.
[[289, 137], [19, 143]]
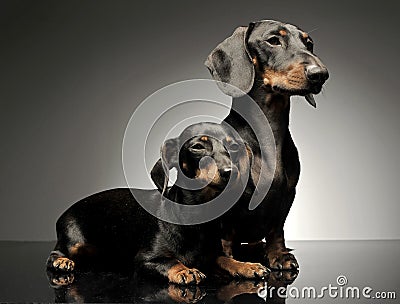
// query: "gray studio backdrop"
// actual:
[[73, 72]]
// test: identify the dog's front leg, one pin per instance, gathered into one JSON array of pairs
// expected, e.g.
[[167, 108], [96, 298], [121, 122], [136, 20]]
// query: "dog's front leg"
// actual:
[[277, 255]]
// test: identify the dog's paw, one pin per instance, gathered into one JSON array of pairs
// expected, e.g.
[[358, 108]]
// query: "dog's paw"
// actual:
[[249, 270], [57, 280], [182, 294], [186, 276], [282, 260], [63, 264]]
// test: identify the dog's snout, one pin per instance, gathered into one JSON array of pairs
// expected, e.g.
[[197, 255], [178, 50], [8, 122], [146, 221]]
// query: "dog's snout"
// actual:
[[316, 73]]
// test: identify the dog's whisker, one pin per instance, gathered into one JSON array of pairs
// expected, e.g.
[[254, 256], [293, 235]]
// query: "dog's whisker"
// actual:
[[313, 30]]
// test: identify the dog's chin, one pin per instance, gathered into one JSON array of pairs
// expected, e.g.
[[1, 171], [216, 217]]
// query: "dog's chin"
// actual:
[[312, 89], [315, 89], [308, 92]]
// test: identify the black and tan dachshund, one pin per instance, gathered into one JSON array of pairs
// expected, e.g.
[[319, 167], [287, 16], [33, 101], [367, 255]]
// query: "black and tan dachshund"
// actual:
[[111, 230], [270, 61]]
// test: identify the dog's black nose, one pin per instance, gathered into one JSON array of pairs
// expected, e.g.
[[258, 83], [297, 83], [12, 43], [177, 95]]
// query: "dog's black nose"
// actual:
[[317, 74], [229, 172], [226, 172]]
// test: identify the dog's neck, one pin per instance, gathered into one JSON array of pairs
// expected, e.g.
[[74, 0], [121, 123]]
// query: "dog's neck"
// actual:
[[183, 196], [275, 107]]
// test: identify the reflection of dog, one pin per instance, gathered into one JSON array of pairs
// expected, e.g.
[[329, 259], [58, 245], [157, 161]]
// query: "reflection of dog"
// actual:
[[270, 61], [112, 287], [111, 229]]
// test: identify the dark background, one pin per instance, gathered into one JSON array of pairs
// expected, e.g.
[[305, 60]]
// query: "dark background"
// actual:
[[72, 73]]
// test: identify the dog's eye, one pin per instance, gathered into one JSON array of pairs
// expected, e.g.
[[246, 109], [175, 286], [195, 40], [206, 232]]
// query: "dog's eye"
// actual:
[[274, 41], [197, 147]]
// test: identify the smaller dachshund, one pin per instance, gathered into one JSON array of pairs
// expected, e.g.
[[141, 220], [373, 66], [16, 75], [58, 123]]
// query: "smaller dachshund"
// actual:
[[111, 229]]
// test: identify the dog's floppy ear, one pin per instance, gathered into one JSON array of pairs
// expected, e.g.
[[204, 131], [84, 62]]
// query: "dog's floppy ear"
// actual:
[[170, 153], [158, 175], [169, 159], [230, 63]]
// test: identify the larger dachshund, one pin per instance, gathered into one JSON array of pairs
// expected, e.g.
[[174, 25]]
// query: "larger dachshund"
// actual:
[[270, 61]]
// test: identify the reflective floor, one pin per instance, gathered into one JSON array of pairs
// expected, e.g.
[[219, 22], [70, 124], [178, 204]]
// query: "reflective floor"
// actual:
[[330, 272]]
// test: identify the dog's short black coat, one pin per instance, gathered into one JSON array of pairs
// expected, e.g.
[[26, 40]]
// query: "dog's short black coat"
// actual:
[[270, 61], [111, 230]]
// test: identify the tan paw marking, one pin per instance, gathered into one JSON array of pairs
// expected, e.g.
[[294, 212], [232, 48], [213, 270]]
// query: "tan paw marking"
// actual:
[[64, 264], [242, 269], [180, 274], [282, 260]]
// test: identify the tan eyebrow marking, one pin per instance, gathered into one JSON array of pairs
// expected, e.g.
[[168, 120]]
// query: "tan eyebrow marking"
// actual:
[[204, 138], [228, 139], [283, 32], [305, 35]]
